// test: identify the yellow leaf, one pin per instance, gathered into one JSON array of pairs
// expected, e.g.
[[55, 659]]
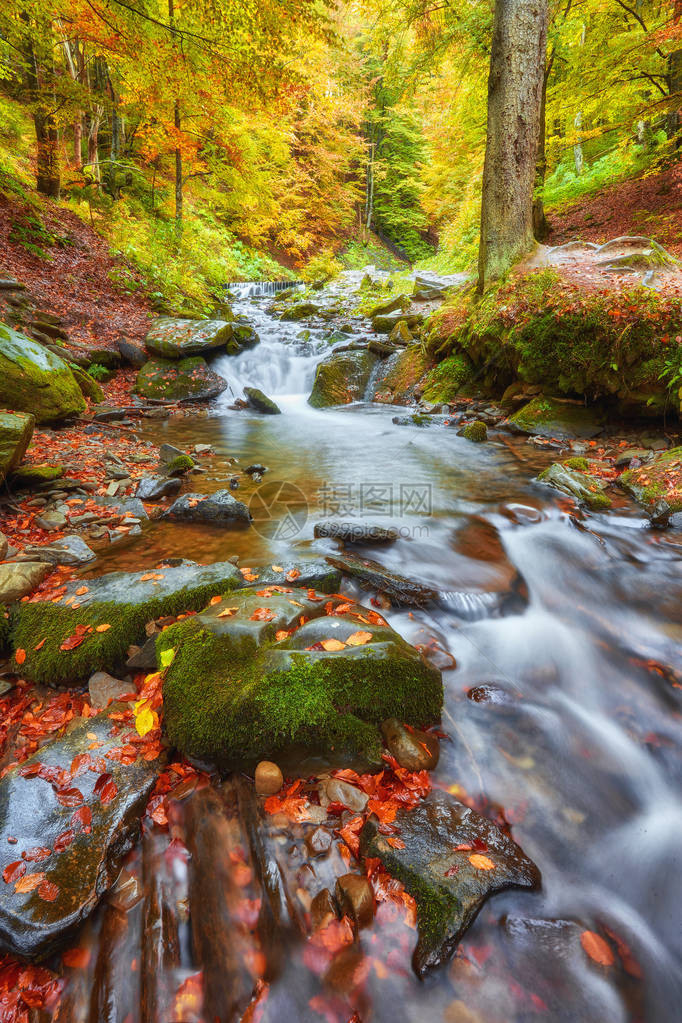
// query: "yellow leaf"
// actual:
[[102, 628], [332, 644], [227, 612], [359, 638], [276, 568], [481, 862], [145, 721], [167, 657]]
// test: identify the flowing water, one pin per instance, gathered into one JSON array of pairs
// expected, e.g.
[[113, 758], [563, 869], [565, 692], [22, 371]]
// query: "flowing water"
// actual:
[[560, 640]]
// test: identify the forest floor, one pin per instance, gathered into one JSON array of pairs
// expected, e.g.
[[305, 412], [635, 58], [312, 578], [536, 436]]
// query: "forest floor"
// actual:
[[649, 205]]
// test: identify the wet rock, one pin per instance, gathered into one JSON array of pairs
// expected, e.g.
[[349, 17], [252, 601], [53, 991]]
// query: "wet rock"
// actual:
[[103, 688], [34, 380], [142, 658], [256, 469], [452, 861], [36, 477], [548, 417], [132, 352], [323, 909], [413, 749], [70, 550], [355, 898], [4, 546], [657, 485], [318, 842], [585, 489], [82, 861], [129, 507], [397, 380], [624, 458], [315, 574], [401, 334], [374, 576], [261, 402], [385, 323], [243, 338], [355, 532], [332, 790], [476, 432], [392, 305], [220, 508], [300, 311], [268, 778], [16, 430], [19, 579], [168, 453], [124, 601], [180, 465], [183, 380], [342, 378], [244, 666], [155, 488], [176, 339]]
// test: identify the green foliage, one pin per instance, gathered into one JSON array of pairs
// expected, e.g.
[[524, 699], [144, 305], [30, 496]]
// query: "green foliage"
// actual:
[[98, 372], [321, 268]]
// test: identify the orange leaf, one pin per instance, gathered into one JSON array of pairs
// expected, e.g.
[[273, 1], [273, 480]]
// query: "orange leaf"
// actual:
[[292, 574], [281, 634], [48, 891], [276, 568], [481, 862], [102, 628], [227, 612], [263, 614], [39, 646], [332, 644], [20, 656], [214, 600], [29, 882], [359, 638], [597, 948], [81, 590], [397, 843]]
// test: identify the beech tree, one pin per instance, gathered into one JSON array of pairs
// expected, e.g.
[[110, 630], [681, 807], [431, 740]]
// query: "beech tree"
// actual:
[[515, 80]]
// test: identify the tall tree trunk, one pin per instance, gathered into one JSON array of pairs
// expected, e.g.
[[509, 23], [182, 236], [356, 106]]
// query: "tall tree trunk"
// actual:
[[674, 81], [40, 82], [48, 171], [517, 65], [178, 152], [540, 225]]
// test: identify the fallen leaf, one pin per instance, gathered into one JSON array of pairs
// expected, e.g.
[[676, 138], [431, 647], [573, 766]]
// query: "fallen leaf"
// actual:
[[597, 948], [292, 574], [359, 638], [64, 840], [29, 882], [20, 656], [281, 634], [103, 628], [397, 843], [276, 568], [39, 646], [332, 644], [69, 797], [227, 612], [81, 590], [48, 891], [263, 614], [481, 862], [214, 600], [82, 817], [13, 871], [35, 855]]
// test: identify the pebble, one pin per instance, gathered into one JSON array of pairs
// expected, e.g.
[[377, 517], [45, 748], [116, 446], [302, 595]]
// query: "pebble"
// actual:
[[318, 842], [333, 791], [269, 778], [355, 898]]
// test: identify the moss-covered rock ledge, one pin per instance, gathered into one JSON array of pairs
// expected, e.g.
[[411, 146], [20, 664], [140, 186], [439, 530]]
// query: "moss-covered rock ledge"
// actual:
[[621, 346], [264, 673]]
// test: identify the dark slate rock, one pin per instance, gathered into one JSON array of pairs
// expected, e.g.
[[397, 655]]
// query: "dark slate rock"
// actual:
[[355, 532], [154, 488], [132, 352], [372, 575], [70, 550], [449, 884], [317, 575], [30, 811], [125, 506], [220, 508]]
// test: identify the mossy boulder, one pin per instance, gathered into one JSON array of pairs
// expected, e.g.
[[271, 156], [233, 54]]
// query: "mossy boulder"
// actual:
[[176, 338], [342, 378], [124, 601], [243, 337], [450, 859], [476, 432], [182, 380], [89, 387], [259, 400], [546, 417], [179, 465], [585, 489], [398, 378], [392, 305], [385, 323], [35, 475], [300, 311], [16, 430], [35, 380], [248, 681], [446, 381], [657, 486]]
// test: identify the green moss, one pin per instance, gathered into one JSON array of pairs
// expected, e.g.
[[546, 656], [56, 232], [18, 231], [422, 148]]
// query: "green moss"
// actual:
[[174, 380], [577, 463], [233, 703], [180, 464], [88, 385], [476, 432], [16, 430], [445, 381], [5, 629], [402, 374], [341, 379], [100, 651], [31, 475], [659, 481], [33, 379]]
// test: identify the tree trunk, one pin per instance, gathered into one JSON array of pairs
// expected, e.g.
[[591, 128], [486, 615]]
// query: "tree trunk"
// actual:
[[540, 225], [517, 64], [48, 175], [178, 168]]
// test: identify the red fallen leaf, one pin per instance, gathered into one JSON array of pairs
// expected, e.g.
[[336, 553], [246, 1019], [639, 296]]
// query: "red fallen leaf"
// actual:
[[35, 855], [13, 871], [98, 765], [123, 754], [105, 788], [214, 600], [30, 770], [20, 656], [79, 764], [463, 847], [69, 797], [39, 646], [64, 840], [76, 958], [597, 948], [29, 882], [48, 891], [73, 641], [263, 614], [396, 843], [82, 818], [292, 574]]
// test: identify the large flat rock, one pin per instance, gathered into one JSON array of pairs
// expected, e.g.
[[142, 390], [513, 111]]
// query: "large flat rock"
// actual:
[[453, 859], [177, 338], [71, 828], [16, 430], [35, 380]]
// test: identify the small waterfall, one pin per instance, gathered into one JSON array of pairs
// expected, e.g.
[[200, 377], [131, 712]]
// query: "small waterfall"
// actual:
[[259, 289]]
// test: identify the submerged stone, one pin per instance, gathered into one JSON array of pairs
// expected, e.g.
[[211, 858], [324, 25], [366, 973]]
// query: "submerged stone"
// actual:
[[35, 380], [585, 489], [453, 859], [413, 749], [355, 532], [300, 311], [16, 430], [122, 601], [176, 339], [183, 380], [476, 432], [342, 378], [73, 832], [372, 575], [262, 674]]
